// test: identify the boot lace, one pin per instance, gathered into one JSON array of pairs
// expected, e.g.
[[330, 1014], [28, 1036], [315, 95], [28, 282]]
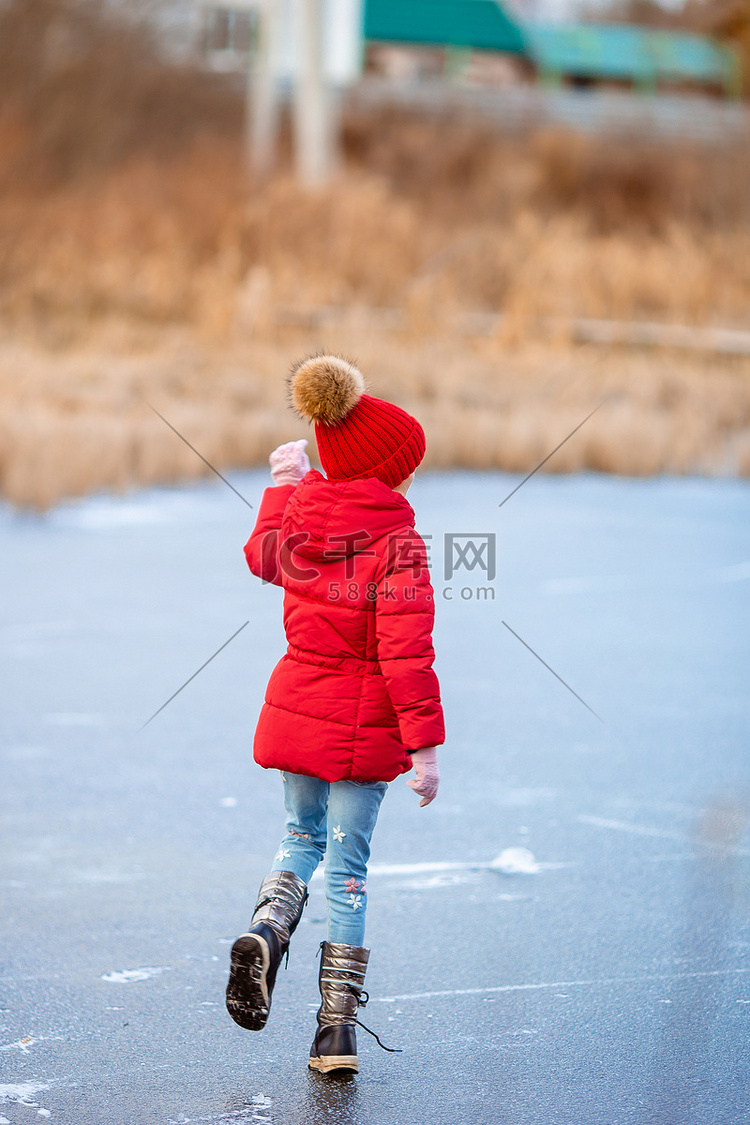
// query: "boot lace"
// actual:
[[362, 1003]]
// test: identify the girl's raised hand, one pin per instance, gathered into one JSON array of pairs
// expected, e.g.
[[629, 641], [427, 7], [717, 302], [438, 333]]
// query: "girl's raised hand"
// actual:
[[289, 462]]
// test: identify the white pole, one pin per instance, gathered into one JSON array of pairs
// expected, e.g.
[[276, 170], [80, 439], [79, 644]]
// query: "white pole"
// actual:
[[262, 111], [312, 102]]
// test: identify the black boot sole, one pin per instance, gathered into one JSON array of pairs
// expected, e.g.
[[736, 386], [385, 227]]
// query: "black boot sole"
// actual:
[[248, 1002]]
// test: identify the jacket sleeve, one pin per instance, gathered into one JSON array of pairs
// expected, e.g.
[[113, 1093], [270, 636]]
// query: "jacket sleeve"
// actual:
[[404, 617], [262, 548]]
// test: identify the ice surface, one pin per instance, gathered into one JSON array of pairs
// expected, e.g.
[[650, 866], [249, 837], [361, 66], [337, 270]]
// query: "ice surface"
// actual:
[[118, 847]]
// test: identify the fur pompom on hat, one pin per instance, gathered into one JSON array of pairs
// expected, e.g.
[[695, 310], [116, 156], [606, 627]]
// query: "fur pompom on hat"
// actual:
[[325, 388], [358, 436]]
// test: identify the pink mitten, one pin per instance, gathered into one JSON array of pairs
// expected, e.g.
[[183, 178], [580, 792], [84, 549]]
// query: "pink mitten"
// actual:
[[426, 783], [289, 462]]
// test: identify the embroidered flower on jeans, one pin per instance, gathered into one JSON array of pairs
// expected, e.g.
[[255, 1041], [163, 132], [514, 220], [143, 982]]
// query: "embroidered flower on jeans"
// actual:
[[281, 855], [355, 901], [362, 887], [338, 835], [300, 835], [351, 885]]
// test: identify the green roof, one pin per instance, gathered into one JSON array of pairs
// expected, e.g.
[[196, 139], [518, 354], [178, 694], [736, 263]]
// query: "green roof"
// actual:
[[479, 24], [631, 53], [628, 53]]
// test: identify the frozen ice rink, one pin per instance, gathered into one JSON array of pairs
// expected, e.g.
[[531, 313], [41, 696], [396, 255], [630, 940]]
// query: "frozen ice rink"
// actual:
[[605, 982]]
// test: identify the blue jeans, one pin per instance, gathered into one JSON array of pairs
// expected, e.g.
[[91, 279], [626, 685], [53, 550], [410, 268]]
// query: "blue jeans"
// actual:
[[333, 819]]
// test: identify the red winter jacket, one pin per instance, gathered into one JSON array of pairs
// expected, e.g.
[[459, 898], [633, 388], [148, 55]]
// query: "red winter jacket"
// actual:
[[356, 690]]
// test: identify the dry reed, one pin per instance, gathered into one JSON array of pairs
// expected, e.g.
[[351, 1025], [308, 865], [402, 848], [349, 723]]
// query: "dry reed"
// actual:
[[78, 422], [136, 258]]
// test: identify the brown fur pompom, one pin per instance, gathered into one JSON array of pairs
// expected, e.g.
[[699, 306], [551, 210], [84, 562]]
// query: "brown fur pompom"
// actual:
[[324, 388]]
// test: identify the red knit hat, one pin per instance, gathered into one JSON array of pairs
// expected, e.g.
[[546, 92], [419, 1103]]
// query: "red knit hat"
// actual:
[[358, 435]]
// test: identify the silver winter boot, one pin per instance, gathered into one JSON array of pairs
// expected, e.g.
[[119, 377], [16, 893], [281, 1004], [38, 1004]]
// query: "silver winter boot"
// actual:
[[256, 955], [341, 977]]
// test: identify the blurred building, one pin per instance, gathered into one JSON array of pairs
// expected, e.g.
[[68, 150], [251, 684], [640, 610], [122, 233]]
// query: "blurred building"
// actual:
[[482, 42], [643, 59], [227, 34], [431, 55], [481, 57]]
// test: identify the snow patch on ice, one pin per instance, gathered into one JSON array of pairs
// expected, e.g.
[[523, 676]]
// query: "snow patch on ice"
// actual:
[[28, 1041], [511, 856], [21, 1045], [409, 868], [21, 1093], [516, 861], [127, 976], [414, 868]]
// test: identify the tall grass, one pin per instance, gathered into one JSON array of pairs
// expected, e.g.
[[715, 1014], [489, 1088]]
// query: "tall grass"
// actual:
[[179, 241], [135, 255], [78, 421]]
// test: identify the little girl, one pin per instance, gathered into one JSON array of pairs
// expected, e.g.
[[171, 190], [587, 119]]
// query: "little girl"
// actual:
[[354, 702]]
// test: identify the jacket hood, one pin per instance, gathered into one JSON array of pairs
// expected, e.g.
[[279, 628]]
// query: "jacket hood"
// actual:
[[342, 518]]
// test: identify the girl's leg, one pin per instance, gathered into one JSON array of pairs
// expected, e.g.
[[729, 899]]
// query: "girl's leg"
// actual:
[[304, 845], [352, 813], [353, 808], [257, 954]]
